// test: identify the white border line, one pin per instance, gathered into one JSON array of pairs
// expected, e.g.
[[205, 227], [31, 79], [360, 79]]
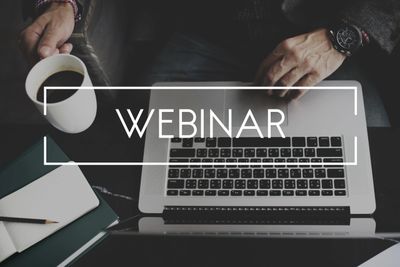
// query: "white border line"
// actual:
[[45, 162]]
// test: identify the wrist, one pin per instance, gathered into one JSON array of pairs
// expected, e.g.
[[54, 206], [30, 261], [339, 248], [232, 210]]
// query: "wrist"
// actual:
[[69, 5]]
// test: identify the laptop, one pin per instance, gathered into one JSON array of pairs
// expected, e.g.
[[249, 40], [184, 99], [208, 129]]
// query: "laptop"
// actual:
[[320, 167]]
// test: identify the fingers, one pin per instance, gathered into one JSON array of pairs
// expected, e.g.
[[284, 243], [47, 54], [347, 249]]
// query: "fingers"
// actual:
[[268, 62], [29, 39], [50, 41], [66, 48]]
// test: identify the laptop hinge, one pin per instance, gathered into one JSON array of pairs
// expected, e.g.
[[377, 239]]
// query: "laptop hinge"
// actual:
[[255, 212]]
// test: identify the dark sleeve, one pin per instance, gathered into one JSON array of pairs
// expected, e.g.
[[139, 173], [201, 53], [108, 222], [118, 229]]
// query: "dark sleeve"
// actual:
[[379, 18], [28, 8]]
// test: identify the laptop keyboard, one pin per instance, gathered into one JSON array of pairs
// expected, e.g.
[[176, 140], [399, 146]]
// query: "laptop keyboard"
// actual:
[[293, 166]]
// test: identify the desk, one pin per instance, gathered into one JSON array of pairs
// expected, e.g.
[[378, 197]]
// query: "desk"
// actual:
[[121, 185]]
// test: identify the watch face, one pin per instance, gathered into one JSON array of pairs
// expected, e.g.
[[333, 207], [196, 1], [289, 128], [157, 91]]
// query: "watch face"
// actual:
[[348, 38]]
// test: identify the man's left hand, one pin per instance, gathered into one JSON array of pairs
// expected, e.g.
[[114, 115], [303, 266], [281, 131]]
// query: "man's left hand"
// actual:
[[303, 60]]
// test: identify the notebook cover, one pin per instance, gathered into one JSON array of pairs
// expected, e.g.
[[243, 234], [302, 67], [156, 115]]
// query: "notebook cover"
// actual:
[[57, 247]]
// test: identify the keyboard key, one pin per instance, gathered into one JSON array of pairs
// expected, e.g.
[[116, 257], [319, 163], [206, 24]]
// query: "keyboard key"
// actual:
[[275, 192], [224, 142], [199, 140], [286, 152], [201, 152], [249, 152], [288, 192], [223, 192], [298, 141], [176, 140], [309, 152], [315, 184], [209, 173], [222, 173], [265, 184], [197, 192], [197, 173], [213, 153], [320, 173], [270, 173], [195, 160], [231, 161], [175, 184], [273, 152], [295, 173], [292, 160], [333, 160], [316, 160], [302, 184], [324, 141], [185, 173], [246, 173], [173, 173], [335, 173], [313, 193], [290, 184], [327, 184], [191, 184], [339, 184], [279, 160], [308, 173], [277, 184], [172, 192], [202, 184], [327, 192], [227, 184], [187, 142], [243, 161], [261, 142], [283, 173], [267, 161], [234, 173], [258, 173], [252, 184], [237, 152], [240, 184], [304, 160], [184, 192], [336, 141], [182, 153], [178, 160], [211, 193], [225, 153], [262, 192], [211, 142], [312, 141], [329, 152], [301, 193], [236, 192], [206, 160], [255, 161], [249, 192], [261, 152], [215, 184], [219, 161], [340, 192], [297, 152]]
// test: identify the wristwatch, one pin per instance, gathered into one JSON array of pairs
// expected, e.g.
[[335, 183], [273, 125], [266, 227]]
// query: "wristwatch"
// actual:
[[347, 38]]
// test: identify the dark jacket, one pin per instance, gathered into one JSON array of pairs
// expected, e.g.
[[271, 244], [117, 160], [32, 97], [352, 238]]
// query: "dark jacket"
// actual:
[[379, 18]]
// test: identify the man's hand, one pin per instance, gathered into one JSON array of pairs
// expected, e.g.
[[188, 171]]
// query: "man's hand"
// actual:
[[47, 35], [303, 60]]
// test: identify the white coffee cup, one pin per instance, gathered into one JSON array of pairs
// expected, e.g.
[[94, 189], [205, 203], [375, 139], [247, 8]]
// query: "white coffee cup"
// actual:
[[74, 114]]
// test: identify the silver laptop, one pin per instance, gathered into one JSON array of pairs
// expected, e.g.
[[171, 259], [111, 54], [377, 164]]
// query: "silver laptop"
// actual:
[[322, 165]]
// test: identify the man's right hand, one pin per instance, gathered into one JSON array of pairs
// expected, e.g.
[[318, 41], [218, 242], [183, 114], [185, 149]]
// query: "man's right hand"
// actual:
[[48, 33]]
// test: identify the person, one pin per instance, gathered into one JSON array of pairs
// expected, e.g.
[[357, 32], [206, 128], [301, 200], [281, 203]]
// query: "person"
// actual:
[[282, 42]]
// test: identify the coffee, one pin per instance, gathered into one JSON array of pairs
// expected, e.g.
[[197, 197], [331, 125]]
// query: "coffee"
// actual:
[[62, 78]]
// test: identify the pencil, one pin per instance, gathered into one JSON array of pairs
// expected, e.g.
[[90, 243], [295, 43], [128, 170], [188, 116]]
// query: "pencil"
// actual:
[[26, 220]]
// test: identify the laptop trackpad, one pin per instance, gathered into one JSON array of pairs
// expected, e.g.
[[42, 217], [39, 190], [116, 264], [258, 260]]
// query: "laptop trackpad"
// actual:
[[240, 101]]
